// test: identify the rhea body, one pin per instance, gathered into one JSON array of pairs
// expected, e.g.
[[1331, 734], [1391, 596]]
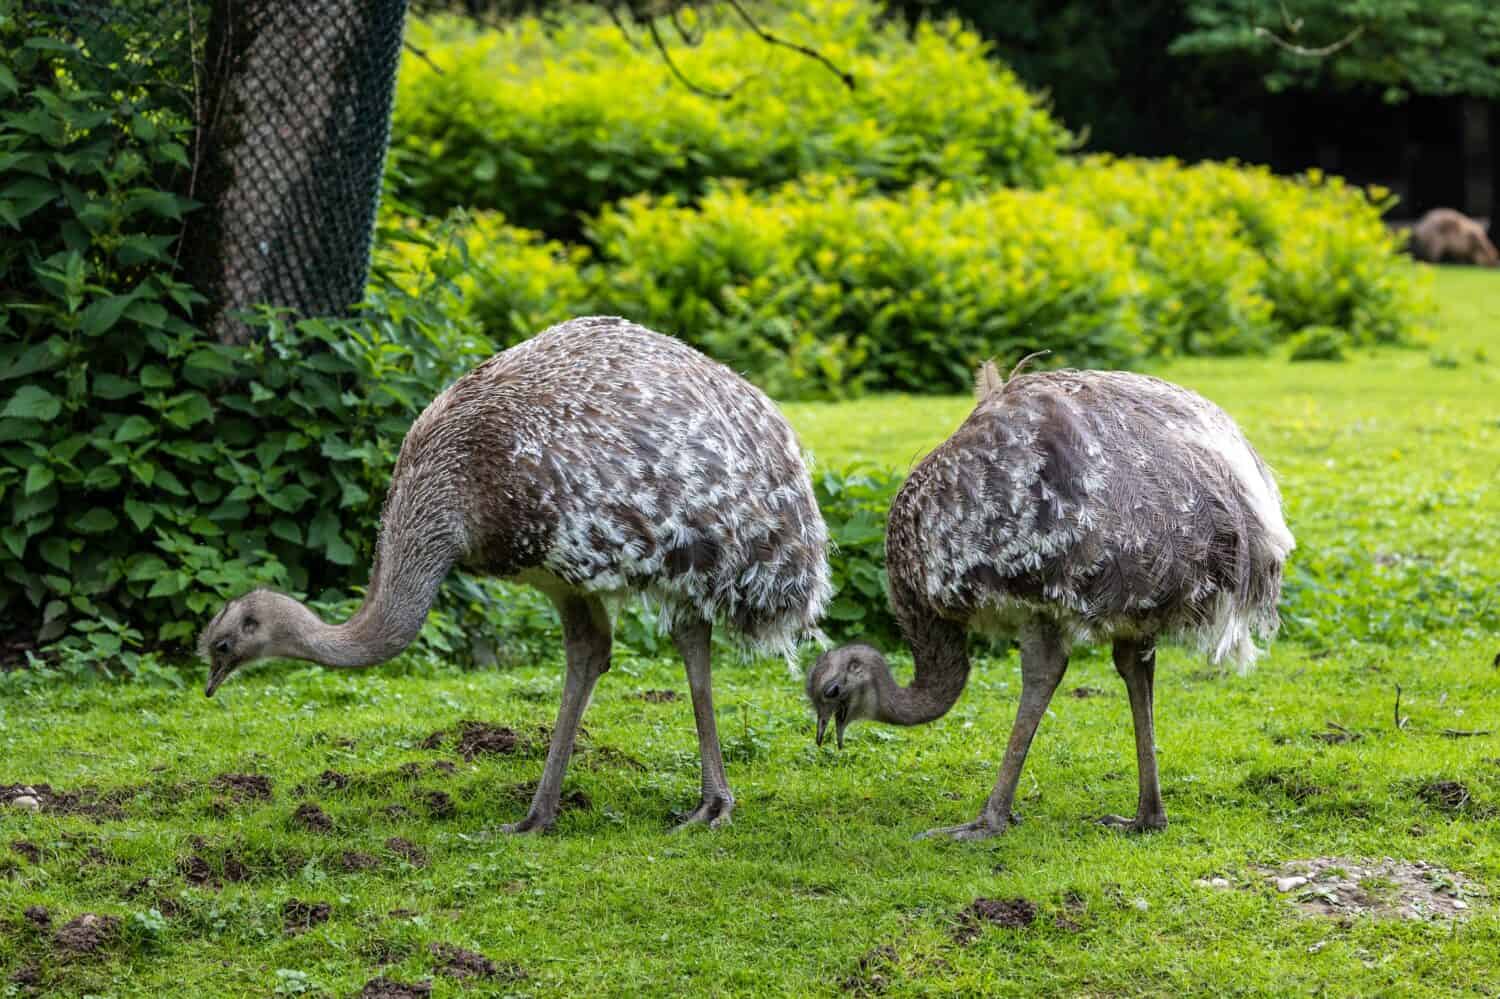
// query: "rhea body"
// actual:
[[1070, 507], [596, 461]]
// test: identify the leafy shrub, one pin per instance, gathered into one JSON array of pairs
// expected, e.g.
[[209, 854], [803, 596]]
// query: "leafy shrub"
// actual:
[[510, 282], [1318, 343], [1328, 259], [821, 288], [855, 501], [548, 123]]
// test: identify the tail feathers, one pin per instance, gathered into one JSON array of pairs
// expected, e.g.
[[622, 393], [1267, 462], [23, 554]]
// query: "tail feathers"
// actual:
[[987, 380]]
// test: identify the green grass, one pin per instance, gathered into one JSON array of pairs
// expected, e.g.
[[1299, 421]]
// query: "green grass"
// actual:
[[1388, 463]]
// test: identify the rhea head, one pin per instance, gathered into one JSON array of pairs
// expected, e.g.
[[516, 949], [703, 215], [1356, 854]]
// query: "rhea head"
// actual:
[[841, 686]]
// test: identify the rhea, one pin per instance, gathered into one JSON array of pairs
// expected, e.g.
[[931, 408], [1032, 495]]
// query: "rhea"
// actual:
[[1070, 507], [595, 461]]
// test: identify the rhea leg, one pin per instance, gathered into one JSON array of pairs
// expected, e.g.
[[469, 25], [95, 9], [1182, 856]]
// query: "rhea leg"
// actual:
[[586, 641], [1136, 662], [716, 804], [1044, 659]]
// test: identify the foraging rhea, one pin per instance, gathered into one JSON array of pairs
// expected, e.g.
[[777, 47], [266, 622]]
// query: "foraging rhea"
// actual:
[[596, 460], [1070, 507]]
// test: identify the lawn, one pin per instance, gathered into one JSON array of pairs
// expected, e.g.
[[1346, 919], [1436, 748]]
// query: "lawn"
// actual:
[[237, 886]]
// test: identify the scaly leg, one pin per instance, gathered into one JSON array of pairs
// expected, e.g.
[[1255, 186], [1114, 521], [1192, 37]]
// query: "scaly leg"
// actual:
[[714, 808], [1044, 659], [586, 639], [1136, 662]]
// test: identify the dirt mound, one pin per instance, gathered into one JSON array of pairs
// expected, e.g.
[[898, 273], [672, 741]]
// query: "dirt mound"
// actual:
[[1011, 913], [407, 850], [333, 780], [1082, 692], [873, 975], [1344, 888], [27, 849], [439, 804], [479, 738], [455, 962], [38, 916], [384, 988], [358, 860], [87, 801], [27, 976], [312, 818], [243, 787], [659, 696], [198, 871], [298, 916], [1449, 795], [87, 934], [571, 801]]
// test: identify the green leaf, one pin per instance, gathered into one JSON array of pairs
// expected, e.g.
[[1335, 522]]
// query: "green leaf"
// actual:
[[15, 540], [339, 551], [140, 513], [96, 521], [191, 408], [144, 567], [155, 376], [133, 429], [289, 498], [55, 552], [167, 585], [114, 387], [38, 477], [31, 402], [102, 315], [287, 530]]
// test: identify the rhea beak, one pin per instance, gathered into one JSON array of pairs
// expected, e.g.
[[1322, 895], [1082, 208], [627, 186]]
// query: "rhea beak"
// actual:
[[840, 716], [217, 674]]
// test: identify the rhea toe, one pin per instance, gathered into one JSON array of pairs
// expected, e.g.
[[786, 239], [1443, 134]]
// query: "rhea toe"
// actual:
[[1071, 507]]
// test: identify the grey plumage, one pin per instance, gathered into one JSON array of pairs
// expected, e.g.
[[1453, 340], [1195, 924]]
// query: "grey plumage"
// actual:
[[1071, 506], [596, 461]]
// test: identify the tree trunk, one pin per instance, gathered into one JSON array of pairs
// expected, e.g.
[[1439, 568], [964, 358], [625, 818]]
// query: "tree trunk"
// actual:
[[295, 123]]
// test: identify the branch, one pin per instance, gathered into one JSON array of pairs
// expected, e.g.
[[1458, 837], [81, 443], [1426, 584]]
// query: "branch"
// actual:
[[1326, 50], [615, 17], [1400, 722], [718, 95], [770, 39], [683, 32], [422, 55]]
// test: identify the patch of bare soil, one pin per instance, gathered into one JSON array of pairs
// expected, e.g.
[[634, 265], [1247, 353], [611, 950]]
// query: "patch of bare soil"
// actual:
[[1074, 906], [87, 801], [384, 988], [1083, 692], [298, 916], [1449, 795], [407, 850], [1344, 888], [333, 780], [27, 849], [86, 934], [312, 818], [27, 976], [873, 974], [198, 871], [659, 696], [479, 738], [1290, 783], [243, 787], [38, 916], [444, 766], [358, 860], [439, 804], [456, 962], [1011, 913], [571, 801]]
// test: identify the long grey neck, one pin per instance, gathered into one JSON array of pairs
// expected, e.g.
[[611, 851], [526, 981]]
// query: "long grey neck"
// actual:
[[410, 566], [939, 648]]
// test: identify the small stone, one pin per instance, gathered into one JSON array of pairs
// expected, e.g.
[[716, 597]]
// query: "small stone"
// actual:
[[1317, 946], [1287, 884], [1220, 882], [1200, 883], [27, 802], [1141, 904], [1459, 903]]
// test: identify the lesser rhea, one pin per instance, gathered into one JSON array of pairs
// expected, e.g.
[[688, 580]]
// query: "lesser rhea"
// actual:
[[1070, 507], [596, 460]]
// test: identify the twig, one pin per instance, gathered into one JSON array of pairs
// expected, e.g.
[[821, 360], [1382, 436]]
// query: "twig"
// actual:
[[718, 95], [1302, 50], [1400, 722], [619, 23], [1464, 733], [770, 39], [687, 36], [422, 55]]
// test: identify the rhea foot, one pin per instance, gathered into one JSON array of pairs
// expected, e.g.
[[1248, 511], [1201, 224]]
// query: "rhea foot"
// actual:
[[981, 828], [1139, 824], [713, 811], [534, 822]]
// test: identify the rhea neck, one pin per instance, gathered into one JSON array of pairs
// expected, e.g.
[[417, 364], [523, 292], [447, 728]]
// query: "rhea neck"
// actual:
[[939, 649]]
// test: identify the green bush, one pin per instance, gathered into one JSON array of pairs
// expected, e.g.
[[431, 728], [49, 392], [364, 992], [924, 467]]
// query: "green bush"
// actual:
[[822, 288], [1326, 258], [855, 501], [549, 123]]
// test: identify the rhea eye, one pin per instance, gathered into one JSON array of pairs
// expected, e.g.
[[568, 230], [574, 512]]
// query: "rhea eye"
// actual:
[[250, 624]]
